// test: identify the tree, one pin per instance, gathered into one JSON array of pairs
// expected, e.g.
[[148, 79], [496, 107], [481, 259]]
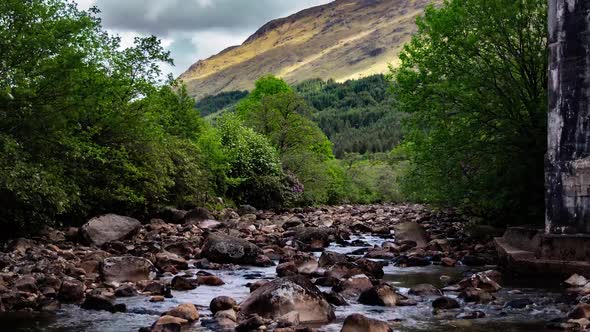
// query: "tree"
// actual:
[[474, 79]]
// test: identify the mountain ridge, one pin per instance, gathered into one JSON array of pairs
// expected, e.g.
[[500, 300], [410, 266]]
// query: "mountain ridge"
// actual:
[[344, 39]]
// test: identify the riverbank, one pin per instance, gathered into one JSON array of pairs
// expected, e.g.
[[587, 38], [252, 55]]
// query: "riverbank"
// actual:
[[403, 266]]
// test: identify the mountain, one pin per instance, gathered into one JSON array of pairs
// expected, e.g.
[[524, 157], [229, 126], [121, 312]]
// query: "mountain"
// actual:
[[345, 39]]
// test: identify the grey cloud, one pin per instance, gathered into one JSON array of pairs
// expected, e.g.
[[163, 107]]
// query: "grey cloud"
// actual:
[[164, 17]]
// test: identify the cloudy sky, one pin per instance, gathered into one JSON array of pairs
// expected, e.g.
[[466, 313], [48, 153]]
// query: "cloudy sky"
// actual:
[[192, 29]]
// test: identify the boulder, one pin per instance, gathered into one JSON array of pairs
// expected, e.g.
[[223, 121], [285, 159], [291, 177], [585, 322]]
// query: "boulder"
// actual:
[[360, 323], [281, 296], [107, 228], [102, 303], [246, 209], [127, 269], [580, 311], [186, 311], [329, 258], [444, 302], [411, 231], [210, 281], [252, 323], [196, 215], [353, 286], [425, 290], [166, 259], [381, 295], [183, 283], [314, 238], [226, 249], [72, 291], [576, 280], [222, 303]]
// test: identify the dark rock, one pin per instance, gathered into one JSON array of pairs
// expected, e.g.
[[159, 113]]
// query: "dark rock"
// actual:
[[221, 303], [226, 249], [71, 291], [360, 323], [471, 315], [335, 299], [444, 302], [210, 281], [471, 260], [107, 228], [102, 303], [246, 209], [183, 283], [196, 215], [381, 295], [126, 291], [252, 323]]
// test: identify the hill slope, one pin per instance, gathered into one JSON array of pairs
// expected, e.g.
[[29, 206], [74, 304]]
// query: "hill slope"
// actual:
[[342, 40]]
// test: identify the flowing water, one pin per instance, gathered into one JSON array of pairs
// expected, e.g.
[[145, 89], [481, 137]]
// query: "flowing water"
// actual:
[[143, 313]]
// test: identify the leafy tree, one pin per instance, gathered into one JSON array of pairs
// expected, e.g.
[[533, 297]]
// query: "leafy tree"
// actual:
[[474, 80]]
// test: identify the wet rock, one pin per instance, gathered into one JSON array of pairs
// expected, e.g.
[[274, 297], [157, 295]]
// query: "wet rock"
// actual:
[[381, 295], [425, 290], [580, 311], [471, 315], [344, 270], [412, 261], [107, 228], [360, 323], [371, 268], [255, 285], [286, 269], [483, 280], [127, 269], [335, 299], [166, 259], [353, 286], [476, 295], [102, 303], [221, 303], [226, 249], [284, 295], [411, 231], [210, 281], [445, 302], [183, 283], [253, 322], [448, 262], [157, 298], [169, 324], [185, 311], [126, 291], [518, 303], [71, 291]]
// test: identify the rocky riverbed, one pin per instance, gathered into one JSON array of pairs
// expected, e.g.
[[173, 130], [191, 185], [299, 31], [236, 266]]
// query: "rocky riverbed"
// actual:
[[345, 268]]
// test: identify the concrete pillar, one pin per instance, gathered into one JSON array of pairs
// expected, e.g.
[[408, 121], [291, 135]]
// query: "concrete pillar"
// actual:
[[568, 156]]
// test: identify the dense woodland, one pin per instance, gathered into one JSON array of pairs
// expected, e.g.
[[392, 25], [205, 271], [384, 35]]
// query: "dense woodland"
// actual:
[[87, 127]]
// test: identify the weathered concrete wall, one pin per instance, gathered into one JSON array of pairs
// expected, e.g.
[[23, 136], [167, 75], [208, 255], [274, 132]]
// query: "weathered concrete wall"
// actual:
[[568, 156]]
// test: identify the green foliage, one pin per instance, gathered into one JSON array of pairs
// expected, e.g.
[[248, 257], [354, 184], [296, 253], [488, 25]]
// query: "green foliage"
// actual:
[[254, 175], [474, 79], [86, 127], [356, 115], [212, 104]]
